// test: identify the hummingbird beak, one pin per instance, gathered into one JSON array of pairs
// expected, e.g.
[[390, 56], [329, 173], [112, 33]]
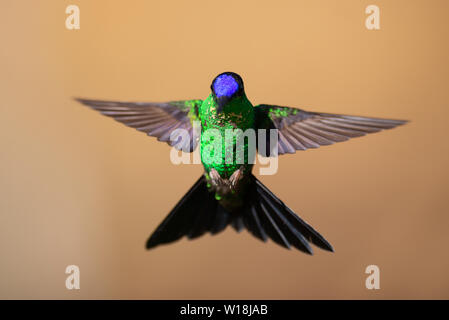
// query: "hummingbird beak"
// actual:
[[221, 102], [220, 108]]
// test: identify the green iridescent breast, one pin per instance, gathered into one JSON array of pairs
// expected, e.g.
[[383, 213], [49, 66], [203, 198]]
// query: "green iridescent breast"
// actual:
[[230, 128]]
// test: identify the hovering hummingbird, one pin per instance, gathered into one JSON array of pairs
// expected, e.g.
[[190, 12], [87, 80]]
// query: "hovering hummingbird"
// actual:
[[228, 193]]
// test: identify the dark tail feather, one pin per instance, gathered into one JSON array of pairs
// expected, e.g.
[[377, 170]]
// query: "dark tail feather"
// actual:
[[196, 213], [267, 216], [264, 215]]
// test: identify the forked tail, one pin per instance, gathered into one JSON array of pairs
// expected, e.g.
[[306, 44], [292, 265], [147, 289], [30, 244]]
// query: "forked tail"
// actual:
[[264, 215]]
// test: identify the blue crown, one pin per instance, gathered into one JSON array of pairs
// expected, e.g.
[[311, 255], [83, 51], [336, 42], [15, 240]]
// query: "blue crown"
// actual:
[[225, 85]]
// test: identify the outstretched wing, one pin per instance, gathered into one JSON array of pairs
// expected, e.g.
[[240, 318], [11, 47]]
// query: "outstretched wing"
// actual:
[[155, 119], [302, 130]]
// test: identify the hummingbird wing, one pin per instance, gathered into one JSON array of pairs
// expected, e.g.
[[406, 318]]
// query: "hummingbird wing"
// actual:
[[155, 119], [301, 130]]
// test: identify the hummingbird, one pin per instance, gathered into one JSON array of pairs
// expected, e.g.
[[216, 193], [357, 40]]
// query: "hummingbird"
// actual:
[[227, 193]]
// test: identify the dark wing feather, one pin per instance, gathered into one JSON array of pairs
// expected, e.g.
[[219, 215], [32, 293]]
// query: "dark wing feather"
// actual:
[[302, 130], [155, 119]]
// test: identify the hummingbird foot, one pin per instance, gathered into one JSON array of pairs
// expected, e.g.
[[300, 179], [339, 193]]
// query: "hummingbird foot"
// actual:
[[223, 186]]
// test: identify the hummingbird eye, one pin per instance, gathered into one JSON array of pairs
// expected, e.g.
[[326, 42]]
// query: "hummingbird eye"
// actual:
[[225, 85]]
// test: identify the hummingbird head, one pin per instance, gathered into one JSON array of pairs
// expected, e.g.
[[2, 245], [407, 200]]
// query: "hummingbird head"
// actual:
[[225, 87]]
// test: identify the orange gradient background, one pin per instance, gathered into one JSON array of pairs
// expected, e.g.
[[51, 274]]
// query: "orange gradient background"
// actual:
[[78, 188]]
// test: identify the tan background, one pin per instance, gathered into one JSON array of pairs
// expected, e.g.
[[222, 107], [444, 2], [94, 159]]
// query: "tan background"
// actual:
[[79, 188]]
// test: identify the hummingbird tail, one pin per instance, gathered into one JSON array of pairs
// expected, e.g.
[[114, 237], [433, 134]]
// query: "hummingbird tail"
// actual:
[[263, 214], [196, 213], [266, 216]]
